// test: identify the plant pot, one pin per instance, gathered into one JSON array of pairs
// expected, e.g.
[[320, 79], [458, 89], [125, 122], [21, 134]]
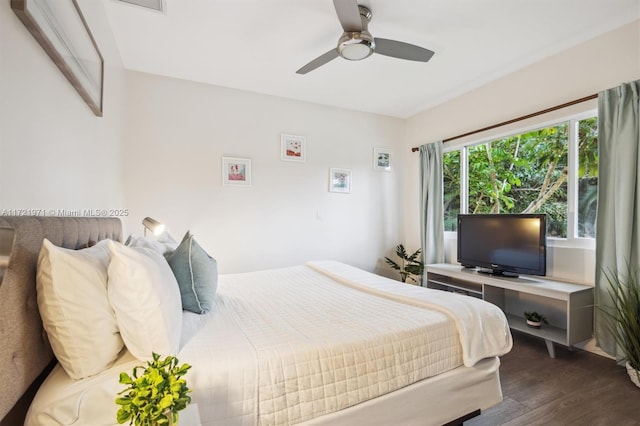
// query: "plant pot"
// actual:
[[634, 374], [534, 324]]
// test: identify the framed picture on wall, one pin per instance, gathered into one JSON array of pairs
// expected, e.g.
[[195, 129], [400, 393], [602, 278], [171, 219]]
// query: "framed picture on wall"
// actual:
[[236, 171], [63, 33], [340, 180], [382, 159], [292, 147]]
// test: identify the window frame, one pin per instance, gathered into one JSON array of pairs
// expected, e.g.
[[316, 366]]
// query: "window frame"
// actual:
[[572, 240]]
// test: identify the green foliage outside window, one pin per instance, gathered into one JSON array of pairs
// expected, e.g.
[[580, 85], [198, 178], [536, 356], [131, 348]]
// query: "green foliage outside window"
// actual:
[[451, 182], [587, 177], [527, 173]]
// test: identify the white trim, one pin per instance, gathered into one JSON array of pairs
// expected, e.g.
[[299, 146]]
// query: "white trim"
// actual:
[[572, 179], [464, 183], [578, 242]]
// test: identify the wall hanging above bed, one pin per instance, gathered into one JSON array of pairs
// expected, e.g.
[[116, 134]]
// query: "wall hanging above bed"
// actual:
[[62, 31]]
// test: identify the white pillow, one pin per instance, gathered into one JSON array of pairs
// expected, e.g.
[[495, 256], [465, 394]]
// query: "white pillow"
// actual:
[[164, 243], [146, 299], [75, 310]]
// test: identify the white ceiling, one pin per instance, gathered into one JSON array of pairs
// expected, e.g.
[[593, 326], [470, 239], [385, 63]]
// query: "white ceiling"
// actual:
[[257, 45]]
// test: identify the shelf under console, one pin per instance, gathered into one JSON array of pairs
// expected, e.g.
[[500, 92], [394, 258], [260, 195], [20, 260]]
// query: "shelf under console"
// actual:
[[567, 306]]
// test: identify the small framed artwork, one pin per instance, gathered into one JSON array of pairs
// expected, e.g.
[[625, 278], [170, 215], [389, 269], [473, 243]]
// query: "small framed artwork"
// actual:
[[236, 171], [382, 159], [292, 147], [340, 180]]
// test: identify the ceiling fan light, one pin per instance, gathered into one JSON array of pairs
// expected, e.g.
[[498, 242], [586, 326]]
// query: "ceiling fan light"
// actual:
[[356, 52], [356, 46]]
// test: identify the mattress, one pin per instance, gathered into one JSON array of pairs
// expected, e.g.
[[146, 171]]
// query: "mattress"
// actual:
[[290, 345]]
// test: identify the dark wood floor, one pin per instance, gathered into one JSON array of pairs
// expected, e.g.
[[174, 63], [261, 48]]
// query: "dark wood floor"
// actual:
[[575, 388]]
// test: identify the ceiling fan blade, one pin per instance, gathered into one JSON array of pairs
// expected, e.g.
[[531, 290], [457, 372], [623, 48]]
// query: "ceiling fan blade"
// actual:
[[398, 49], [319, 61], [349, 15]]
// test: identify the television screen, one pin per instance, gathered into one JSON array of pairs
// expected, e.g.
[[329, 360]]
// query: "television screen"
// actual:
[[503, 243]]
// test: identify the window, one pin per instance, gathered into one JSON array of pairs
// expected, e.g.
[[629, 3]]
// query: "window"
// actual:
[[587, 177], [552, 170], [451, 182]]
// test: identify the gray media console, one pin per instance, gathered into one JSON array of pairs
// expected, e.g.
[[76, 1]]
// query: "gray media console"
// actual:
[[568, 307]]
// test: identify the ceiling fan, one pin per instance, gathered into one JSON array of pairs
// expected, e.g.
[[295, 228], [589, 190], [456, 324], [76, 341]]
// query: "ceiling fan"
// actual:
[[357, 43]]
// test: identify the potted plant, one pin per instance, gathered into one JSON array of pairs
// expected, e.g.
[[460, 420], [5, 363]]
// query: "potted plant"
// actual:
[[623, 318], [410, 266], [534, 319], [155, 396]]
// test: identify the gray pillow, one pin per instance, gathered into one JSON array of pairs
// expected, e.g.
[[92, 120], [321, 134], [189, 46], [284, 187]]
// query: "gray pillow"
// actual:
[[196, 273]]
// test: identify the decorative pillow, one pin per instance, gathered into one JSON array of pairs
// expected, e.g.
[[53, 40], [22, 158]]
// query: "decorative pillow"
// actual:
[[75, 310], [146, 299], [197, 275]]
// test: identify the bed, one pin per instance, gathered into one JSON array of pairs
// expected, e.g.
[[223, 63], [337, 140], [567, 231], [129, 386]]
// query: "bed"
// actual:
[[322, 343]]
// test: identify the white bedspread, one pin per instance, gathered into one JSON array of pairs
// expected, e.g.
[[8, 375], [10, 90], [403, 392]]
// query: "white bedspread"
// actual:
[[285, 346], [331, 346], [483, 327]]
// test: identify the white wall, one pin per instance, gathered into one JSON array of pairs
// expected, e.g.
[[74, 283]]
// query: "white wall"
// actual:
[[54, 152], [596, 65], [176, 133]]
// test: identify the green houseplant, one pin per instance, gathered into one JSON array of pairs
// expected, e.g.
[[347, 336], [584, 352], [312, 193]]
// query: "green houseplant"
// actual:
[[155, 396], [410, 266], [535, 319], [623, 318]]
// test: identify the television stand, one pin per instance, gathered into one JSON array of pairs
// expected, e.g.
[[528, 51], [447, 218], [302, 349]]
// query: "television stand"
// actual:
[[567, 306]]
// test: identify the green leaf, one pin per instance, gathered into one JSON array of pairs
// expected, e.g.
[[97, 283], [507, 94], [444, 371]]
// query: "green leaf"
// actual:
[[393, 264], [154, 393], [401, 252], [125, 379], [623, 316], [165, 402], [123, 401], [123, 415], [409, 265]]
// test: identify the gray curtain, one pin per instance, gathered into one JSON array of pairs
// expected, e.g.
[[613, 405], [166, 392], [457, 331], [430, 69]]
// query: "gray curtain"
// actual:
[[431, 199], [618, 220]]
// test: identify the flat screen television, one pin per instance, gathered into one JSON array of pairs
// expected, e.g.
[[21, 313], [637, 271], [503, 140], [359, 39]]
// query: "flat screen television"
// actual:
[[504, 244]]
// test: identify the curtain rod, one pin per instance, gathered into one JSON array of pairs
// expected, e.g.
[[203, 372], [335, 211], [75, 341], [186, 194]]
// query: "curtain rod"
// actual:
[[515, 120]]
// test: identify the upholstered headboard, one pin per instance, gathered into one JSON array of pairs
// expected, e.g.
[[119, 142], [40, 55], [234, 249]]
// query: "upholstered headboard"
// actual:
[[24, 348]]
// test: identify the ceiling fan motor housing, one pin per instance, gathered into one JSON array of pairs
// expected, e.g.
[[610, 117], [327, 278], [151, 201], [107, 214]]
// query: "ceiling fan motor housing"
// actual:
[[357, 45]]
